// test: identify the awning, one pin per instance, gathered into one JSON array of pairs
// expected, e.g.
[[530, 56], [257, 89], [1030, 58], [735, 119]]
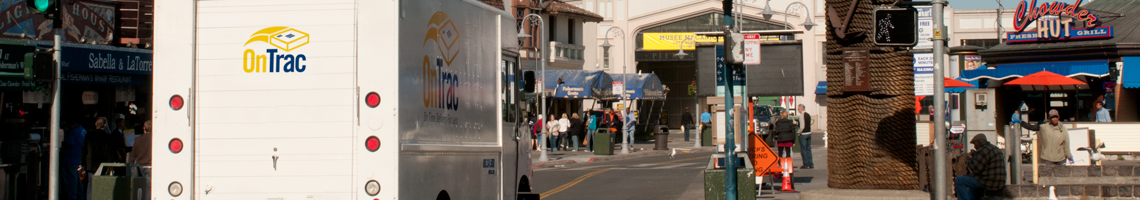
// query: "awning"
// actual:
[[821, 88], [643, 86], [578, 84], [1098, 68], [1130, 75]]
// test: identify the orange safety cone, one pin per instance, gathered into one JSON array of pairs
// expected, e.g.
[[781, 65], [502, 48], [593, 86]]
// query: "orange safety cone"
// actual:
[[787, 183]]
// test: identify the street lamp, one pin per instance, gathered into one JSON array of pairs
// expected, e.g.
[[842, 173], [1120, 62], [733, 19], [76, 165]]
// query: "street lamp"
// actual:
[[542, 91], [681, 51], [807, 13], [606, 47], [681, 55], [767, 13]]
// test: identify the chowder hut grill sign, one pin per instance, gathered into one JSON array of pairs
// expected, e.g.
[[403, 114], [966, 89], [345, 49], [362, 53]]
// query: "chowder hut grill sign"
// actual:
[[1054, 22]]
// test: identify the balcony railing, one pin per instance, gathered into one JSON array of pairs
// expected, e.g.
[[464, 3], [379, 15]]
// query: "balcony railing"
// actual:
[[566, 52]]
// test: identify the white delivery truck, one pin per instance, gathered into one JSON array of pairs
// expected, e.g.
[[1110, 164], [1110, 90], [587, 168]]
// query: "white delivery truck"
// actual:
[[337, 99]]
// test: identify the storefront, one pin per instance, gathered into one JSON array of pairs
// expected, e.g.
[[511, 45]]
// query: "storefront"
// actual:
[[1082, 42], [568, 89]]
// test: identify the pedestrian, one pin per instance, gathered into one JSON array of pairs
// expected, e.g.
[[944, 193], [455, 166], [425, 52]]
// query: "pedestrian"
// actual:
[[985, 170], [1101, 112], [575, 130], [552, 131], [805, 137], [592, 125], [564, 131], [785, 132], [128, 138], [1054, 139], [141, 154], [686, 122], [535, 131], [630, 122], [101, 146], [706, 120], [70, 160]]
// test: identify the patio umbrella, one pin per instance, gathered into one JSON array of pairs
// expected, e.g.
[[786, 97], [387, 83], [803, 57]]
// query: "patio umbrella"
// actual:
[[1047, 81], [951, 83]]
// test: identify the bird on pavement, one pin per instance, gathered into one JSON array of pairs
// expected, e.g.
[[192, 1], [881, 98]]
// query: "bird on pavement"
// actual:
[[674, 153]]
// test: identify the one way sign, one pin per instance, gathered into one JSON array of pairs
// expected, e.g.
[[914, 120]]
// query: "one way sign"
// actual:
[[751, 49]]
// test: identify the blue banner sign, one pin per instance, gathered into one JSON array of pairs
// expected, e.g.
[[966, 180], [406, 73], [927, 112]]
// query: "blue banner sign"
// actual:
[[1061, 34]]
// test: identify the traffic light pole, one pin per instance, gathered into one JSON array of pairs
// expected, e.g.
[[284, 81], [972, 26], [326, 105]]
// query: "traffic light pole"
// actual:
[[53, 163], [940, 144], [730, 143]]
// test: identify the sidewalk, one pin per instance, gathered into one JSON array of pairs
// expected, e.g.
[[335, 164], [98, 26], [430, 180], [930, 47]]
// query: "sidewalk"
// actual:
[[641, 149]]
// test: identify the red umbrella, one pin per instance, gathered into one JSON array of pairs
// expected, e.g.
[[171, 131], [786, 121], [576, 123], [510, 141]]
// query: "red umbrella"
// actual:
[[951, 83], [1046, 80]]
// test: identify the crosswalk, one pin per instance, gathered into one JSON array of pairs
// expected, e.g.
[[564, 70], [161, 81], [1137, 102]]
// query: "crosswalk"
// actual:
[[626, 167]]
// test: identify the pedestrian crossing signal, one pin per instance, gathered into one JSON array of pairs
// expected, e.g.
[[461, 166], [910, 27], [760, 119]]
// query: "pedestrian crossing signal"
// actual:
[[895, 27], [39, 66]]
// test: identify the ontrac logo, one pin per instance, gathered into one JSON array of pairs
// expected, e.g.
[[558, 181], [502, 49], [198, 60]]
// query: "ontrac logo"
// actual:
[[440, 84], [276, 59]]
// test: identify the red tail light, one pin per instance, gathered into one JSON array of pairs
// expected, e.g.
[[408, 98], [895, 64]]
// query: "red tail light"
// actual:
[[176, 102], [372, 143], [175, 145], [372, 99]]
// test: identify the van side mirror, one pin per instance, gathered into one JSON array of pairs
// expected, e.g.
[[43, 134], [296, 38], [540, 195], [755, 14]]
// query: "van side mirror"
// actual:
[[528, 82]]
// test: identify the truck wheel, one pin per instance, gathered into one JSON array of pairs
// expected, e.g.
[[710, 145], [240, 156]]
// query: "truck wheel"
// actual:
[[443, 195]]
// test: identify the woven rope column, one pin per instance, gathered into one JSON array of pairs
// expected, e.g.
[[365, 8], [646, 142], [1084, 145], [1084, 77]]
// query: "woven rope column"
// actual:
[[871, 134]]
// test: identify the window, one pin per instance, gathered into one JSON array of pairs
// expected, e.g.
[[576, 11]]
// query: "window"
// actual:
[[553, 23], [986, 43], [570, 31]]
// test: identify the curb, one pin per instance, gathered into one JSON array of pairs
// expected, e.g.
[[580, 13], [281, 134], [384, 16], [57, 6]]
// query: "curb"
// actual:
[[617, 157], [552, 163]]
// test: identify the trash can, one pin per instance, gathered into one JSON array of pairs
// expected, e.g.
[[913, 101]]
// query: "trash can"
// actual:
[[715, 178], [662, 136], [706, 136], [106, 185], [602, 144]]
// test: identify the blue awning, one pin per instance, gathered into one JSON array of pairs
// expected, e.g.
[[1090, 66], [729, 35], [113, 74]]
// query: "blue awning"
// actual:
[[578, 84], [962, 89], [821, 88], [1130, 75], [642, 86], [1098, 68]]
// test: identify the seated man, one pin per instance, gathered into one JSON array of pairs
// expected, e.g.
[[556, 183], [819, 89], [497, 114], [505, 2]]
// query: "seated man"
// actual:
[[986, 170]]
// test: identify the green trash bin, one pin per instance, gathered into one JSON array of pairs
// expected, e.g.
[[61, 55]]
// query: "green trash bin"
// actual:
[[105, 185], [602, 144], [715, 179]]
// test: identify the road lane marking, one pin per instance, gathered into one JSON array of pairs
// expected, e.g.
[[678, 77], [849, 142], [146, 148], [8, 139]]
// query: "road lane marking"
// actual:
[[595, 173], [571, 183]]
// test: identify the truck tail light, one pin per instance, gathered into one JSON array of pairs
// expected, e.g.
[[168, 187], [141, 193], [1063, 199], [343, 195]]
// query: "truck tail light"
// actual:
[[372, 188], [176, 102], [175, 188], [372, 143], [372, 99], [175, 145]]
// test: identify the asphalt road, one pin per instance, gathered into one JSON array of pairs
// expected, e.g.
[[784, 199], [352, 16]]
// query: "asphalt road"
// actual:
[[653, 177], [658, 177]]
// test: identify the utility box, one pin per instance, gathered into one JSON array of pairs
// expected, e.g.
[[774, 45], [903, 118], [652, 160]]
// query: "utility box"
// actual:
[[715, 178], [981, 114], [109, 186]]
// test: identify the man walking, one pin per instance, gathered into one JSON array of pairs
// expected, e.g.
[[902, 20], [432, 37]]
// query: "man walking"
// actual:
[[805, 137], [70, 160], [986, 170], [686, 122]]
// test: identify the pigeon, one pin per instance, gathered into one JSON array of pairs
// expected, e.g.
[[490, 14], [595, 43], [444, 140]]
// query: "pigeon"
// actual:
[[674, 153]]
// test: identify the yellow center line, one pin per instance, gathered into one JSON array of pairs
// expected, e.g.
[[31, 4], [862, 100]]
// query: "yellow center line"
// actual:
[[595, 173]]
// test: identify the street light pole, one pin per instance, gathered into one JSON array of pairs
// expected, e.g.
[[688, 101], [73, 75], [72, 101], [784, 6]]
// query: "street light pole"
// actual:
[[542, 91], [696, 103], [807, 13], [625, 82]]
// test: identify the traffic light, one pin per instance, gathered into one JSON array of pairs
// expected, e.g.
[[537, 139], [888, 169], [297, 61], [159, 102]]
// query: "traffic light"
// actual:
[[39, 66], [43, 6], [896, 27]]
